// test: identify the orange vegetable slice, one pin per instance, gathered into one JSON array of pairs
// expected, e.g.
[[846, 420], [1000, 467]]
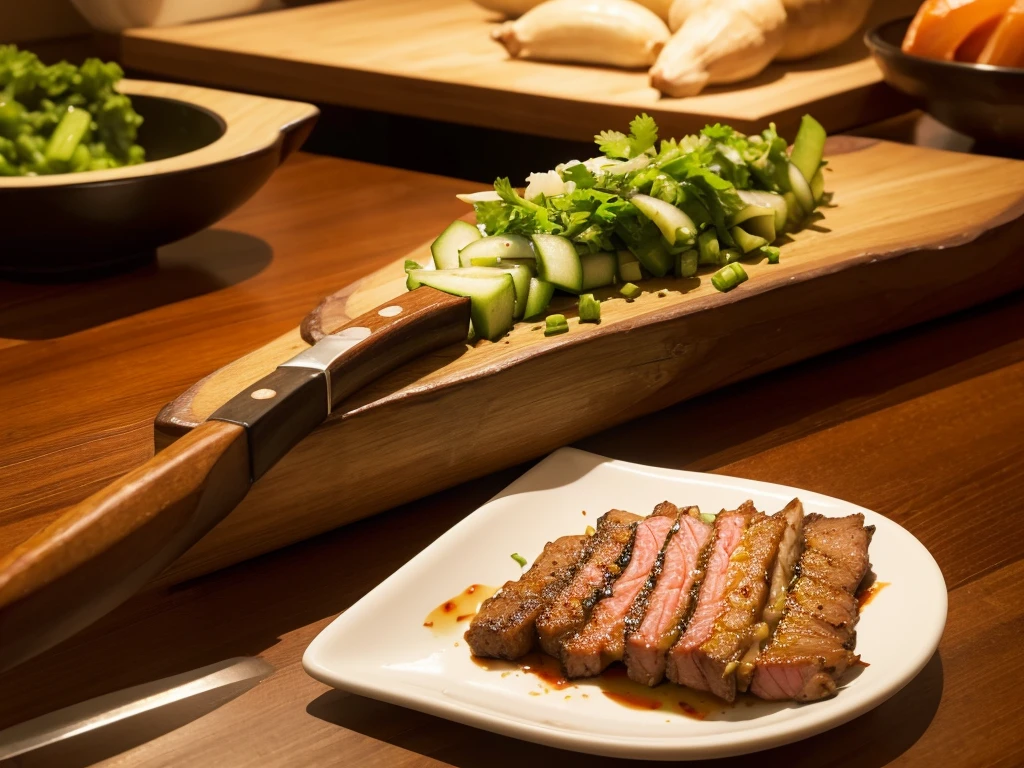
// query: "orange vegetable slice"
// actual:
[[971, 48], [1005, 48], [942, 26]]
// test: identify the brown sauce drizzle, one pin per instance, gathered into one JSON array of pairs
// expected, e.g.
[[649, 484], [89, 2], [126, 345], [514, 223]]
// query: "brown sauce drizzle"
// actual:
[[461, 608], [865, 596]]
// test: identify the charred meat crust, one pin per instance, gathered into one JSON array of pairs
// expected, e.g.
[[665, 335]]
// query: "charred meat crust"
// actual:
[[607, 554], [505, 625]]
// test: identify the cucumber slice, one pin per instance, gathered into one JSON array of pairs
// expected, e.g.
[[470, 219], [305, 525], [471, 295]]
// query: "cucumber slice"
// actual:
[[767, 200], [673, 223], [746, 241], [558, 263], [520, 280], [750, 212], [795, 214], [492, 297], [686, 263], [629, 266], [653, 256], [818, 186], [539, 297], [761, 226], [708, 247], [483, 261], [457, 236], [496, 246], [599, 269], [808, 147], [801, 189]]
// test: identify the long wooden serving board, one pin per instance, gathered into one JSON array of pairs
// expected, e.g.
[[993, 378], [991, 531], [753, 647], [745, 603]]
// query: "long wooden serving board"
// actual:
[[913, 234], [435, 59]]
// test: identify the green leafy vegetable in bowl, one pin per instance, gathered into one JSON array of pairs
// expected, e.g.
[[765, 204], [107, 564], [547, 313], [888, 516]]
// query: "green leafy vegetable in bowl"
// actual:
[[60, 118], [642, 209]]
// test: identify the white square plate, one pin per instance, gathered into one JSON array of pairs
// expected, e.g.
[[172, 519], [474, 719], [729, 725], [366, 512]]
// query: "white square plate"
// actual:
[[381, 649]]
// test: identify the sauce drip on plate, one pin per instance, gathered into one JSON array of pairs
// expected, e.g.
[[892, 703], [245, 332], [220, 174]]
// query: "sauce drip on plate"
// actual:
[[459, 609], [868, 594]]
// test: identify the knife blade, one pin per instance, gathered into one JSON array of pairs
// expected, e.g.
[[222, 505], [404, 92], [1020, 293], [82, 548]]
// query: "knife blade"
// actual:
[[107, 725], [104, 549]]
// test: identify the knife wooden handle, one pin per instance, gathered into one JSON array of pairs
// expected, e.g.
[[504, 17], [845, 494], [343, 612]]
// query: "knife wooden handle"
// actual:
[[102, 550]]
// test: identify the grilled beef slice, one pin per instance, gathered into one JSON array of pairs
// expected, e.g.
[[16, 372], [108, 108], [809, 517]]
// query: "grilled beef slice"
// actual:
[[790, 549], [813, 644], [505, 626], [681, 666], [601, 640], [607, 553], [737, 627], [671, 600]]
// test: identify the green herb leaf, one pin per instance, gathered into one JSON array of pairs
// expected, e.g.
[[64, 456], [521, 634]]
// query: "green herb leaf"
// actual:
[[519, 559]]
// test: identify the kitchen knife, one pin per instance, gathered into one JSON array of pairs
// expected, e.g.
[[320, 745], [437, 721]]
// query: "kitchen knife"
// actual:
[[107, 725], [102, 550]]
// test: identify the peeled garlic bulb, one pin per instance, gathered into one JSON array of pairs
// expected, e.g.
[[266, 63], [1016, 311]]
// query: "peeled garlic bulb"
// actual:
[[817, 25], [618, 33], [513, 9], [681, 10], [660, 7], [723, 42]]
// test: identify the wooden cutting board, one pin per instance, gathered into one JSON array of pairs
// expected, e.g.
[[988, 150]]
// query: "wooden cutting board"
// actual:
[[435, 59], [913, 234]]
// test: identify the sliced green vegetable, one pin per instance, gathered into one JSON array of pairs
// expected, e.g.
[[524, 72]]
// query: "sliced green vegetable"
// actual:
[[708, 517], [729, 255], [728, 277], [686, 263], [589, 309], [456, 236], [629, 266], [767, 200], [598, 269], [707, 245], [630, 291], [772, 253], [555, 324], [519, 559], [68, 135], [539, 297], [653, 256], [818, 186], [808, 147], [496, 247], [675, 225], [746, 241], [558, 263], [492, 297], [802, 190], [794, 213], [411, 265]]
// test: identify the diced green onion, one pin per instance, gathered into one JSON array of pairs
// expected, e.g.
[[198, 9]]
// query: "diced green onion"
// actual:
[[728, 277], [411, 265], [728, 256], [555, 324], [68, 134], [630, 290], [705, 517], [771, 252], [590, 309], [519, 559], [686, 263], [707, 244]]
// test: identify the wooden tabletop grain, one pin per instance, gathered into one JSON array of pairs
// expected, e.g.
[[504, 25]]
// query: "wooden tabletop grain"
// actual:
[[923, 426]]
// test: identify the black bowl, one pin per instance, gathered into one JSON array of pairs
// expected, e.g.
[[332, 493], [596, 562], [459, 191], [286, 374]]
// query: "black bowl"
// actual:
[[984, 102], [75, 226]]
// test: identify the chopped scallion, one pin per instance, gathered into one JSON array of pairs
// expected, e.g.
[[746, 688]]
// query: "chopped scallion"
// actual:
[[519, 559], [555, 324], [707, 517], [728, 256], [728, 277], [590, 309], [771, 252], [630, 290], [707, 244], [686, 263]]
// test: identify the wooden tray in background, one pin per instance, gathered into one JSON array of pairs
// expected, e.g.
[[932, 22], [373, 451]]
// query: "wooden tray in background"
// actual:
[[914, 234], [435, 59]]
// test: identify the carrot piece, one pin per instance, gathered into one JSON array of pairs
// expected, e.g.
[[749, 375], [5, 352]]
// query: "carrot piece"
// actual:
[[942, 26], [971, 48], [1005, 48]]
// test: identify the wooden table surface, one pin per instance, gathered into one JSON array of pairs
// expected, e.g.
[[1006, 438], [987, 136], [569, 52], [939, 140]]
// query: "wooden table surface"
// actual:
[[923, 426]]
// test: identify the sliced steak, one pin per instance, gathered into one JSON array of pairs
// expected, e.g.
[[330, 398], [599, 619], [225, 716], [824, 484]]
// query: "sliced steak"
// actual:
[[506, 625], [607, 554], [813, 644], [790, 549], [681, 664], [671, 601], [737, 627], [602, 639]]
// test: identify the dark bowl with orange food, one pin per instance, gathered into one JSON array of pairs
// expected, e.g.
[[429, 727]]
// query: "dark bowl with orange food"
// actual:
[[979, 100]]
